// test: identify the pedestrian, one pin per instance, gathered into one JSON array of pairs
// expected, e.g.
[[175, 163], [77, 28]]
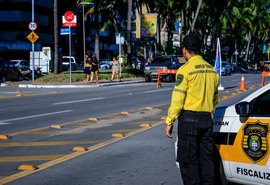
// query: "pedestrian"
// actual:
[[115, 69], [87, 67], [193, 102], [94, 69]]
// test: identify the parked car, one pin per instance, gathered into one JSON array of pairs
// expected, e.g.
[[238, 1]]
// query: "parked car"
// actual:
[[163, 62], [22, 65], [226, 68], [9, 72], [241, 134], [105, 64], [76, 64]]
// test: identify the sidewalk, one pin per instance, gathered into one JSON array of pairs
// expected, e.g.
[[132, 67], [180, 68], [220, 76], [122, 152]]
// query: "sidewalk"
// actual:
[[102, 83]]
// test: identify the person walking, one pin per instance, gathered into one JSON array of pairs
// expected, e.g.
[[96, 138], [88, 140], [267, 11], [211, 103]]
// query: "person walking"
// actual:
[[193, 101], [115, 69], [87, 67], [94, 69]]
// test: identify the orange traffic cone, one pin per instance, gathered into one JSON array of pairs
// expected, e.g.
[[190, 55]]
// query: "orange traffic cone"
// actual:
[[158, 81], [242, 84]]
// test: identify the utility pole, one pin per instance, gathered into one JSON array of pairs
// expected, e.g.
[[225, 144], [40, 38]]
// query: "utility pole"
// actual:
[[55, 29], [129, 14]]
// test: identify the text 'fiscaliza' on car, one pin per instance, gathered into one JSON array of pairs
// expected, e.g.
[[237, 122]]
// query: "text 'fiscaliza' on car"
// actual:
[[242, 139]]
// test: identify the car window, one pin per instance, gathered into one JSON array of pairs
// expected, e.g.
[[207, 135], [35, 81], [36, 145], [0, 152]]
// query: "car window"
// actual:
[[67, 60], [175, 59], [161, 60], [261, 105]]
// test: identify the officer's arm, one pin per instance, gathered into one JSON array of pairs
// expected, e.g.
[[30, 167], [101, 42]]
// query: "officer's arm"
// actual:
[[216, 98], [177, 100]]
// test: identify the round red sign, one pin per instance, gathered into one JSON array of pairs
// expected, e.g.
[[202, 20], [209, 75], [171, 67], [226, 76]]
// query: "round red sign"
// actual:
[[69, 16]]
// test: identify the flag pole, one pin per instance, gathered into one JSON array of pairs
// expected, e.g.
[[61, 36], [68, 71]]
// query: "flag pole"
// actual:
[[218, 64]]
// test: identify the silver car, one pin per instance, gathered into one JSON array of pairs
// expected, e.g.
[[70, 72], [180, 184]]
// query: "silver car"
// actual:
[[226, 68]]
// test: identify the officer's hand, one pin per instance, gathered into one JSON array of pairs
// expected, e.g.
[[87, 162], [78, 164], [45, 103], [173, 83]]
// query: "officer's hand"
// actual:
[[169, 130]]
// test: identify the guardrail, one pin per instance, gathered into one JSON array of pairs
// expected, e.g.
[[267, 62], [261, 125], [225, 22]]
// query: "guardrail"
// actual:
[[264, 74], [162, 71]]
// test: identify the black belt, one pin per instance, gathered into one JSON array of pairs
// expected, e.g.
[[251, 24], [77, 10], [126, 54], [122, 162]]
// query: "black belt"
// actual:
[[195, 112]]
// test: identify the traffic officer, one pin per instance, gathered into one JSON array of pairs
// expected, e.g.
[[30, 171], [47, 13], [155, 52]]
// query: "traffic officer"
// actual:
[[193, 101]]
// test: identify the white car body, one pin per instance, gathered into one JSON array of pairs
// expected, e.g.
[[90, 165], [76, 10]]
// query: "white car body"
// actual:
[[245, 150], [243, 140], [75, 63]]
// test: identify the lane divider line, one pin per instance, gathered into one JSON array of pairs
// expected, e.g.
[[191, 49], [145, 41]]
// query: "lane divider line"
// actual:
[[30, 158], [72, 155], [78, 101], [35, 116], [46, 143]]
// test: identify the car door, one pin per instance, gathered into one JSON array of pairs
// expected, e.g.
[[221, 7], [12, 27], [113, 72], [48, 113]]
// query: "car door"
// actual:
[[249, 153]]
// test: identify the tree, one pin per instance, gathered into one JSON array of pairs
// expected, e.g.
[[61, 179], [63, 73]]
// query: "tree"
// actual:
[[55, 30]]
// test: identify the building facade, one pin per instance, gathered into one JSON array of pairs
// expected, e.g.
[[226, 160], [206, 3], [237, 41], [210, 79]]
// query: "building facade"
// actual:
[[15, 15]]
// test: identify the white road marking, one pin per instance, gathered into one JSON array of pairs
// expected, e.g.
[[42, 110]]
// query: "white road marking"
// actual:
[[158, 90], [9, 92], [4, 122], [77, 101]]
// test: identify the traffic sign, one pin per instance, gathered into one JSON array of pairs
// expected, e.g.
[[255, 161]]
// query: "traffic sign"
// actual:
[[32, 26], [69, 19], [69, 16], [65, 31], [32, 37]]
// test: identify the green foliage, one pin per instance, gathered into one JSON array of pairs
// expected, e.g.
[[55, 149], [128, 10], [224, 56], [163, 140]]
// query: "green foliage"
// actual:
[[79, 77]]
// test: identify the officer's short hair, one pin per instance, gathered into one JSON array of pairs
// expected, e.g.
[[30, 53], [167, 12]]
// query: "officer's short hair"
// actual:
[[192, 43]]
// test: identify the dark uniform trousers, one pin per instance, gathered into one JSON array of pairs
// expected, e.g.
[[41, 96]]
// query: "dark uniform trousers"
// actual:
[[195, 148]]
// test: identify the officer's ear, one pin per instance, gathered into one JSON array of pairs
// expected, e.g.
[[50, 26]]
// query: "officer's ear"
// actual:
[[184, 51]]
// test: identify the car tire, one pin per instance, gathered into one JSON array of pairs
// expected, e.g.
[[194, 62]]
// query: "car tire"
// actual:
[[169, 78], [147, 78]]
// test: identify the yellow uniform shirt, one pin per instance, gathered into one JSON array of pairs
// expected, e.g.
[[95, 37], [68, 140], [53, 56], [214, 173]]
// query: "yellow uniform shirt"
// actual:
[[196, 88]]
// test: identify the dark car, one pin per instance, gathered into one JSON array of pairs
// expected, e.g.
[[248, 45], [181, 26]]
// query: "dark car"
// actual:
[[9, 72], [22, 65], [163, 62]]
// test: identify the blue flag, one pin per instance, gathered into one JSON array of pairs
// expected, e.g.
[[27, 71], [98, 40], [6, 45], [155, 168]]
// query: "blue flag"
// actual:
[[218, 61]]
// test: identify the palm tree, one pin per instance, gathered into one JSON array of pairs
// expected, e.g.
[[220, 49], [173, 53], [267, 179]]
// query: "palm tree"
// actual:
[[55, 29], [96, 23]]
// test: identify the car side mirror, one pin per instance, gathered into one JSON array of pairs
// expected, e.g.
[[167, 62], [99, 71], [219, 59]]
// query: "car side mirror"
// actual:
[[242, 109]]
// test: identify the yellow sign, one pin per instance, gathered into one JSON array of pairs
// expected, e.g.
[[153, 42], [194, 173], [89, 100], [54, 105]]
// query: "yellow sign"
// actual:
[[149, 27], [32, 37]]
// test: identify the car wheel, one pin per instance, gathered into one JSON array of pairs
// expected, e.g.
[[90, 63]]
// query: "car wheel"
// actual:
[[147, 78], [169, 78]]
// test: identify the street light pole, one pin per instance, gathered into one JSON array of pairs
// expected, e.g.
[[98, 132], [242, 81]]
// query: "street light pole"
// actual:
[[83, 32], [83, 19], [33, 45]]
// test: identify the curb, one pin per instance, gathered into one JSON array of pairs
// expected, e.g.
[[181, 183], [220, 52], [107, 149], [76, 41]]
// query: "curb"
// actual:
[[102, 84]]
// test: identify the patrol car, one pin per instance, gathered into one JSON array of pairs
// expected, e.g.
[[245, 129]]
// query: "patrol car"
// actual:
[[242, 139]]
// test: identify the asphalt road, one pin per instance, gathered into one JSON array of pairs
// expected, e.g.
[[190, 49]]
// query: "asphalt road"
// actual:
[[143, 156]]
